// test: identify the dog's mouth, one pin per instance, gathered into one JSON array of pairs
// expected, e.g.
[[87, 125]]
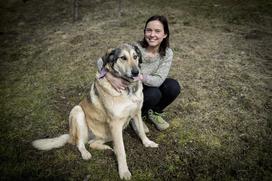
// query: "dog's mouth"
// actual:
[[132, 75], [132, 78], [137, 78], [128, 78]]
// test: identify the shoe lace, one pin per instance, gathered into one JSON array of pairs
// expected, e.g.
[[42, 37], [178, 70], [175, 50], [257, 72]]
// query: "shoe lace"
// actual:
[[156, 117]]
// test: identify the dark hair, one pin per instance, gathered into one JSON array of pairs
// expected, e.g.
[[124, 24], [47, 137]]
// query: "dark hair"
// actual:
[[165, 43]]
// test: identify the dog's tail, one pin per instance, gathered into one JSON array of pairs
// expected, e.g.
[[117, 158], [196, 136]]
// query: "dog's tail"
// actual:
[[50, 143]]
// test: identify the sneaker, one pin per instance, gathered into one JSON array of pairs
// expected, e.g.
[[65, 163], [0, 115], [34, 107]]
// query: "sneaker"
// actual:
[[159, 122], [146, 130]]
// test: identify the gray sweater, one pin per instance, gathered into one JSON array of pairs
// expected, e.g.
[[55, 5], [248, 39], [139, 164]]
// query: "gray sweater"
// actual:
[[155, 69]]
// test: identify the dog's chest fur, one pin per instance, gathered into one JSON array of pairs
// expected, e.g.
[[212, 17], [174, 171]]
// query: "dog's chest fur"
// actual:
[[127, 103], [118, 105]]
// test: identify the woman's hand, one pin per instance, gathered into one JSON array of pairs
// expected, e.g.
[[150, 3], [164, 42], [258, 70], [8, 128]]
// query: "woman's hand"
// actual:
[[141, 77], [117, 83]]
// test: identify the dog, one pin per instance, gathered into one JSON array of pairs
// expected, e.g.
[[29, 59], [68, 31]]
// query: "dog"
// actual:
[[105, 112]]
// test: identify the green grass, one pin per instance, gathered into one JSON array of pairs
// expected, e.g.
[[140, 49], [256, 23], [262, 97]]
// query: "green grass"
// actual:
[[220, 123]]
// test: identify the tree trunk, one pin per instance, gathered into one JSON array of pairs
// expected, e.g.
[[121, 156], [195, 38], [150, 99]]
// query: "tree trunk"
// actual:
[[76, 10], [120, 9]]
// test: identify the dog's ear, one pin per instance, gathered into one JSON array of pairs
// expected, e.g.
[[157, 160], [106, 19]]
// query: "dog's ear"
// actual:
[[111, 56], [138, 51]]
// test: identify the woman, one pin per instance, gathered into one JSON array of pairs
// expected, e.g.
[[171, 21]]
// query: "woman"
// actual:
[[159, 91]]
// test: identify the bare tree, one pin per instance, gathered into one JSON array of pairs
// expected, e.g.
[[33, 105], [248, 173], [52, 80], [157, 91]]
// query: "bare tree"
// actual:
[[120, 8], [76, 10]]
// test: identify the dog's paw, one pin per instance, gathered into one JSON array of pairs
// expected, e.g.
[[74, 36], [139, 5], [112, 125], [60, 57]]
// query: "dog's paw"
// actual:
[[149, 143], [108, 148], [126, 175], [86, 155]]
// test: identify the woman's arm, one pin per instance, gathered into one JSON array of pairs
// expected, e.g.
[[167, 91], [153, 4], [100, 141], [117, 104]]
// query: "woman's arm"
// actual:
[[157, 78]]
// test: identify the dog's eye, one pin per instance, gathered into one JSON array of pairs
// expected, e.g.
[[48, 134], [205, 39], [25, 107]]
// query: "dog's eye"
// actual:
[[135, 57], [123, 58]]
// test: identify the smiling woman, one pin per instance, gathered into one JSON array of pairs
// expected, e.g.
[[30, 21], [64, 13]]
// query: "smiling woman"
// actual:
[[157, 56], [154, 35]]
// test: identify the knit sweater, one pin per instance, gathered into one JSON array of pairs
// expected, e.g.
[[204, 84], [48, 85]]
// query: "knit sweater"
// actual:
[[154, 69]]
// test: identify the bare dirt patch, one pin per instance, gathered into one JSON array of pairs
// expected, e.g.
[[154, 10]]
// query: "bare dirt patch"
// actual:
[[220, 124]]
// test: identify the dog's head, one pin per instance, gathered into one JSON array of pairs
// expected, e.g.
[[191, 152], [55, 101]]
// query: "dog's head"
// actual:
[[123, 61]]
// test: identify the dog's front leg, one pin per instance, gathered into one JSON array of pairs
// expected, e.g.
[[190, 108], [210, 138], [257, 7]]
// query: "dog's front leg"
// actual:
[[140, 130], [119, 149]]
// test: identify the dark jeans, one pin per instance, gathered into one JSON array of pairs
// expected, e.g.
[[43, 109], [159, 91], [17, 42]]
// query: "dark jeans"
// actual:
[[158, 98]]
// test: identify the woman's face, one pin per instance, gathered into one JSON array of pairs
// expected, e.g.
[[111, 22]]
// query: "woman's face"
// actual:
[[154, 33]]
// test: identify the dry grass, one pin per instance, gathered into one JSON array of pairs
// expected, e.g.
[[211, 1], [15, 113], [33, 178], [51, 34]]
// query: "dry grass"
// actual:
[[220, 124]]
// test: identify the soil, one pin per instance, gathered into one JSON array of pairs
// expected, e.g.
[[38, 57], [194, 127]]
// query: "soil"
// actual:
[[220, 125]]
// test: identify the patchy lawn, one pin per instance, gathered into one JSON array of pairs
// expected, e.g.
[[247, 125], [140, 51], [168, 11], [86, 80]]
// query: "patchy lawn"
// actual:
[[220, 124]]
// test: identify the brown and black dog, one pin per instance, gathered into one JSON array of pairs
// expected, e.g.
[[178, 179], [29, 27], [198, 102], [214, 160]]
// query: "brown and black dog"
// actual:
[[105, 112]]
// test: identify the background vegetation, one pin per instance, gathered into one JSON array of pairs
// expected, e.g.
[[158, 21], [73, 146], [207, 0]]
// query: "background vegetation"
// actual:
[[220, 124]]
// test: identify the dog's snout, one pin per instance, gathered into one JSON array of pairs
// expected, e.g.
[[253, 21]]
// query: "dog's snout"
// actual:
[[134, 72]]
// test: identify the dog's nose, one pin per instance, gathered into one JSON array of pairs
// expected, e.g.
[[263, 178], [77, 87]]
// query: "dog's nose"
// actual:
[[135, 72]]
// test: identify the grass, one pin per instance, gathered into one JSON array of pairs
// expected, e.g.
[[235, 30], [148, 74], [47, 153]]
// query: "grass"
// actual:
[[220, 124]]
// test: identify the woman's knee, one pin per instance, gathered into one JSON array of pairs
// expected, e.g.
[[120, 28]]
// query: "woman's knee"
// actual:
[[152, 95], [171, 87], [176, 87]]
